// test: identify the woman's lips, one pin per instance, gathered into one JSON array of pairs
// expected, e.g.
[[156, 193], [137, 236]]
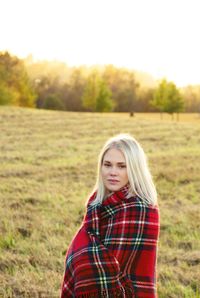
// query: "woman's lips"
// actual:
[[113, 181]]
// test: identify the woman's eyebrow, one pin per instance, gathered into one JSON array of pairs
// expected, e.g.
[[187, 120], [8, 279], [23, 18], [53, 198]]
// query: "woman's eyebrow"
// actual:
[[120, 162]]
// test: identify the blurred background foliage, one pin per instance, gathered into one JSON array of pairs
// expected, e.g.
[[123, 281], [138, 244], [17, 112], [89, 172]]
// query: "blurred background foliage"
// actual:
[[55, 85]]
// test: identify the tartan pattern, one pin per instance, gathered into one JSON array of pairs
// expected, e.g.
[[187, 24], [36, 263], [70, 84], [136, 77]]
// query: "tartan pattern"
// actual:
[[113, 254]]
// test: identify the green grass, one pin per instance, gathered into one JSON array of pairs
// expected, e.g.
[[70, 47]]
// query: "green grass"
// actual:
[[48, 165]]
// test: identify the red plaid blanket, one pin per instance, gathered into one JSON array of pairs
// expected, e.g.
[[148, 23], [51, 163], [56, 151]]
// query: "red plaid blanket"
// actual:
[[113, 254]]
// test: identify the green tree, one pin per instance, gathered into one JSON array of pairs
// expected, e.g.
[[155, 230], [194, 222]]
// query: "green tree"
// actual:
[[15, 86], [5, 94], [91, 92], [75, 90], [103, 101], [123, 86], [47, 86], [174, 101], [167, 98], [53, 102], [160, 97], [145, 96]]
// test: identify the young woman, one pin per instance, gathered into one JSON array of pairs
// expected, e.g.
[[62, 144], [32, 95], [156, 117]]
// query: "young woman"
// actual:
[[114, 252]]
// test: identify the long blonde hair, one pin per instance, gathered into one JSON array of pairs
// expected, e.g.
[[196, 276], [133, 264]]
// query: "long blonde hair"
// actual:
[[139, 176]]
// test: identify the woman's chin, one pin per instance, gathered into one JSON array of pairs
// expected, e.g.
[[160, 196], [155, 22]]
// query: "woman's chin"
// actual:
[[113, 187]]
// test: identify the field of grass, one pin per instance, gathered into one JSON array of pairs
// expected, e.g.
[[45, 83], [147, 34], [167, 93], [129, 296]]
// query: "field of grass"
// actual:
[[47, 169]]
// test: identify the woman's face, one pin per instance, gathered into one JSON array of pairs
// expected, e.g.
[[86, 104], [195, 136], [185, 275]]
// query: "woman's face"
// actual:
[[113, 170]]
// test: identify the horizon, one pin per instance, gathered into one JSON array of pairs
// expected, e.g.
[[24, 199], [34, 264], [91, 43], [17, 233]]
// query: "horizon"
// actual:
[[157, 38]]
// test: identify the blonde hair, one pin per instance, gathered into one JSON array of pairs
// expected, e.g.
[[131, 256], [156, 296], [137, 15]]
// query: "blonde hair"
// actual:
[[139, 176]]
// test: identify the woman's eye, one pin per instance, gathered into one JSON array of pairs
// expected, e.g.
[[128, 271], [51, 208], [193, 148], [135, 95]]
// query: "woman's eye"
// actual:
[[122, 166], [106, 165]]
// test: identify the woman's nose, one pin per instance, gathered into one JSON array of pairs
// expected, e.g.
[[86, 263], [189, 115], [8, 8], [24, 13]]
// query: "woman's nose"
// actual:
[[113, 171]]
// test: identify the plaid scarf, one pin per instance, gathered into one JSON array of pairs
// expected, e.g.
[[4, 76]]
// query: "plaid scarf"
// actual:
[[113, 254]]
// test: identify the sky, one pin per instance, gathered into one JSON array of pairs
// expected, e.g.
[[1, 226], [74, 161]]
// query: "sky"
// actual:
[[160, 37]]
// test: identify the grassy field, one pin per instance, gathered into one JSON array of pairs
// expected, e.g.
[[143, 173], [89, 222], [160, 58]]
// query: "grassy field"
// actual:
[[47, 168]]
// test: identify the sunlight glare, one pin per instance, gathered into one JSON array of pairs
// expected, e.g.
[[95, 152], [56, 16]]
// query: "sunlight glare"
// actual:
[[158, 36]]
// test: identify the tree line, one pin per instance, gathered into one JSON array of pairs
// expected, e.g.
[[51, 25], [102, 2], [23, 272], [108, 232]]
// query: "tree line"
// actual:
[[54, 85]]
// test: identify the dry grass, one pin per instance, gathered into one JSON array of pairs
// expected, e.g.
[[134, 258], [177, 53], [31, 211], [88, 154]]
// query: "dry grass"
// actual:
[[48, 166]]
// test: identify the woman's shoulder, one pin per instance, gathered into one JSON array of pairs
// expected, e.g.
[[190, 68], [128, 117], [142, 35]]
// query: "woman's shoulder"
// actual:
[[138, 209], [137, 203]]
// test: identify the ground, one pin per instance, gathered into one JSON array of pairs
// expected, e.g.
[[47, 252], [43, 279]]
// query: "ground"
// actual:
[[48, 168]]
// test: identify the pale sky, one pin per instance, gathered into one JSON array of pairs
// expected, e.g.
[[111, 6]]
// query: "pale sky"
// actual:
[[160, 37]]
